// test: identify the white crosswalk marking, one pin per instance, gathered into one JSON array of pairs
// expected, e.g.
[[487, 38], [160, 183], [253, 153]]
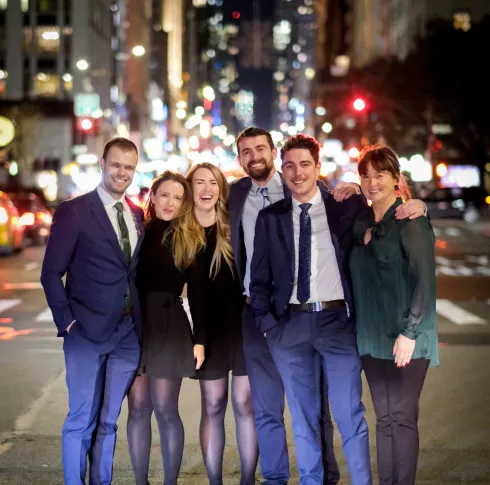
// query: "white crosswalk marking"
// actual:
[[456, 314], [45, 316], [6, 304]]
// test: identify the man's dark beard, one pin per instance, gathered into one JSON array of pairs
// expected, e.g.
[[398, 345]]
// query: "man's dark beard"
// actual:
[[260, 174]]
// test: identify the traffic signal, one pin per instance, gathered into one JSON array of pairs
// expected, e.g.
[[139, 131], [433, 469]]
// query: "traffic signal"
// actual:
[[359, 104]]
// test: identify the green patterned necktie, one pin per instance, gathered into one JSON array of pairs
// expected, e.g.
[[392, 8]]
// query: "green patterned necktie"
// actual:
[[125, 247]]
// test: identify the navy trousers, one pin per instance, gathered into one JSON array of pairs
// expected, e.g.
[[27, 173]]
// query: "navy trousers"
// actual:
[[295, 343], [268, 397], [98, 376]]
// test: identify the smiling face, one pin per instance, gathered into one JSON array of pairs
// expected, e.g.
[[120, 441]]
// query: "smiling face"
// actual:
[[300, 173], [378, 186], [205, 189], [256, 157], [118, 170], [168, 199]]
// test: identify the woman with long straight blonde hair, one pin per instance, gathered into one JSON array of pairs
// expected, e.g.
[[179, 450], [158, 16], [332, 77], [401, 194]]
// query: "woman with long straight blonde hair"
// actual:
[[170, 350], [204, 237]]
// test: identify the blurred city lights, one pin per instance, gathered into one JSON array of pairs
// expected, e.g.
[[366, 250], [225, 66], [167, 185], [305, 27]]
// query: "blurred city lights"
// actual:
[[67, 77], [353, 152], [205, 129], [235, 15], [310, 73], [194, 142], [359, 104], [86, 124], [50, 35], [181, 113], [199, 110], [138, 51], [320, 111], [327, 127], [82, 65], [441, 169], [13, 168], [208, 93]]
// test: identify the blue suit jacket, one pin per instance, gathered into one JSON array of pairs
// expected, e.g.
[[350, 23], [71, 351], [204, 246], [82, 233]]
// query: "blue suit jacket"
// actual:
[[238, 195], [84, 246], [273, 260]]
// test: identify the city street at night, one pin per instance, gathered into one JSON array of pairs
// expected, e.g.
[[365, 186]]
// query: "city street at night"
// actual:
[[455, 403]]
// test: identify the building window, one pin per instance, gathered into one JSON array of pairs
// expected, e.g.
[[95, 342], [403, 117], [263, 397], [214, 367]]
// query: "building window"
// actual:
[[462, 21], [47, 6], [24, 5], [46, 85], [48, 39], [3, 4]]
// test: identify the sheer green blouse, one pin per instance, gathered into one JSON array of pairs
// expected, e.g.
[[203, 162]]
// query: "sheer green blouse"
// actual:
[[394, 282]]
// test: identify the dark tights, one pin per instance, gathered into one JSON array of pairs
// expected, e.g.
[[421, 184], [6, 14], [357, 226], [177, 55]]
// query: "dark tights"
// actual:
[[162, 396], [214, 399]]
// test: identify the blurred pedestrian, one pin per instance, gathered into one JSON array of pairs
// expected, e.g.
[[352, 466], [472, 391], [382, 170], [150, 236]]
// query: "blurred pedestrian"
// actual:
[[95, 240], [392, 265], [223, 303], [171, 351]]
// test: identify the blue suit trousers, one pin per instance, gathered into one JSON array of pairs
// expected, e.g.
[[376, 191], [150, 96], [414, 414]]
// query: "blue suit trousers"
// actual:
[[98, 376]]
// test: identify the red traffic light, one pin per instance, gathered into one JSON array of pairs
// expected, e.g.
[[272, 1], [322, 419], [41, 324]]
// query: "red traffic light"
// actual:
[[86, 124], [236, 15], [359, 104]]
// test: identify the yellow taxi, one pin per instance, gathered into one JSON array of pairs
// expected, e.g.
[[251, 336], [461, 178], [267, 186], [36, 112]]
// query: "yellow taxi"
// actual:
[[11, 229]]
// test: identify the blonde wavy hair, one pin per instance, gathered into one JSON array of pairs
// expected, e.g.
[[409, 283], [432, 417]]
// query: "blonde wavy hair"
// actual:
[[189, 235]]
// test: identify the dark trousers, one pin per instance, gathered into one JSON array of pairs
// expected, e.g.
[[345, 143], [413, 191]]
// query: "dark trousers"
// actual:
[[296, 343], [98, 376], [395, 393], [268, 396]]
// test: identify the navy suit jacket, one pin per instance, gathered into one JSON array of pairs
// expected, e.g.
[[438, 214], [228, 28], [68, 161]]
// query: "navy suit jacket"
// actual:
[[84, 246], [273, 263], [238, 195]]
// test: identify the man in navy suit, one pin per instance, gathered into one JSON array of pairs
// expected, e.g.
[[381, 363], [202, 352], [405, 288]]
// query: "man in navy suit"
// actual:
[[95, 240], [263, 186], [300, 261]]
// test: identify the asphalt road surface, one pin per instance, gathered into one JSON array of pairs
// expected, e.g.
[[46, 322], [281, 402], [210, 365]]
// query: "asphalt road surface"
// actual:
[[455, 404]]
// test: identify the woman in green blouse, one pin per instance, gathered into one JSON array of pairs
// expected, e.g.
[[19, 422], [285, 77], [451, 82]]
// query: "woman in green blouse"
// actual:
[[393, 274]]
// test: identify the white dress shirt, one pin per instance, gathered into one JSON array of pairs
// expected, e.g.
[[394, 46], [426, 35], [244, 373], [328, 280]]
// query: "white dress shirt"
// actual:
[[108, 201], [325, 281]]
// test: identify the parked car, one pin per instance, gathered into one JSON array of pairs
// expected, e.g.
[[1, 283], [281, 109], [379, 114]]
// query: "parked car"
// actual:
[[34, 216], [11, 230]]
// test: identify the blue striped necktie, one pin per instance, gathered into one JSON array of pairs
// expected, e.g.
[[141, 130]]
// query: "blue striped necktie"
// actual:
[[265, 197]]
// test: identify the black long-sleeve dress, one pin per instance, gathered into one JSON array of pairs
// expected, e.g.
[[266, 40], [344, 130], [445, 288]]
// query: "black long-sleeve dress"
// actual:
[[167, 347], [223, 304]]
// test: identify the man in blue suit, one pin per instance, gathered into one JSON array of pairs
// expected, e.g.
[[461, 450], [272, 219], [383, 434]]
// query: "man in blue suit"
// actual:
[[305, 272], [263, 186], [95, 240]]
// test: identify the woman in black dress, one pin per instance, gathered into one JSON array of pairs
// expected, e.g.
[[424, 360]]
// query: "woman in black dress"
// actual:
[[170, 350], [223, 303]]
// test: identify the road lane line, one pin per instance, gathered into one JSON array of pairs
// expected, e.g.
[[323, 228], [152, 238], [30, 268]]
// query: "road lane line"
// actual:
[[24, 423], [456, 314], [31, 285], [45, 316], [32, 266], [6, 304]]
